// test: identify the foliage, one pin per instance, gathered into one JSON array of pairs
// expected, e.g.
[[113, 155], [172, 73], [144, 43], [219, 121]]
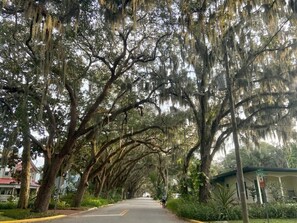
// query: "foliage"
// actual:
[[111, 196], [173, 204], [24, 214], [193, 181], [7, 205], [291, 155], [223, 201], [158, 185], [67, 198], [270, 221], [265, 155], [88, 201], [209, 212], [58, 204], [275, 190], [205, 212], [87, 76], [275, 210]]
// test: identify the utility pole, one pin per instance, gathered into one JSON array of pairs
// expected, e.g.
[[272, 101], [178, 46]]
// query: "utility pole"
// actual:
[[240, 178]]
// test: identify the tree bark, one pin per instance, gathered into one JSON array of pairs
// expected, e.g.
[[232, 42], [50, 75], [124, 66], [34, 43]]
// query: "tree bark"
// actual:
[[48, 183], [83, 184], [204, 171], [26, 158]]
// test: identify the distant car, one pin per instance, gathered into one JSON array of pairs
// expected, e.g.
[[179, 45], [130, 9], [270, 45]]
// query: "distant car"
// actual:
[[146, 194]]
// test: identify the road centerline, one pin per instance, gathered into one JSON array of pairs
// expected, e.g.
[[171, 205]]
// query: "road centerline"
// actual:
[[107, 215]]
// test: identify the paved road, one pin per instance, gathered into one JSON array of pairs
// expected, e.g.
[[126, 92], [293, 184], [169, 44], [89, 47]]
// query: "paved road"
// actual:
[[140, 210]]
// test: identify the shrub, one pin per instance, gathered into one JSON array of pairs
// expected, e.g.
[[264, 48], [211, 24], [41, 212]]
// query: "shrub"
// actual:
[[68, 198], [91, 201], [256, 211], [276, 210], [223, 203], [7, 205], [173, 205], [192, 210], [213, 211], [88, 201], [59, 204], [202, 212]]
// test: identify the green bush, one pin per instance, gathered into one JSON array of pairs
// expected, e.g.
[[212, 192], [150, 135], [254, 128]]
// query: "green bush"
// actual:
[[221, 208], [256, 211], [192, 210], [7, 205], [201, 212], [59, 204], [223, 203], [91, 201], [173, 205], [275, 210], [68, 198], [88, 201]]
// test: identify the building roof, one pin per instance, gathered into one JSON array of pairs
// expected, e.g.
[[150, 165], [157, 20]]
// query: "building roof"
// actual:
[[18, 167], [248, 169], [8, 180], [12, 181]]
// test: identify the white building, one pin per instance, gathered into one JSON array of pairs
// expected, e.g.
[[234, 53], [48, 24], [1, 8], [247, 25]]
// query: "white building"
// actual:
[[10, 186]]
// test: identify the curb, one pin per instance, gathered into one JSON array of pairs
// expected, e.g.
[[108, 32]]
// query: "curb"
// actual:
[[50, 217], [35, 219], [193, 221]]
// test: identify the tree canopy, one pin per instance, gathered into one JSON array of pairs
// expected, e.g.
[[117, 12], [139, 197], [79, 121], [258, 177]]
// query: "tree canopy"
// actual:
[[131, 84]]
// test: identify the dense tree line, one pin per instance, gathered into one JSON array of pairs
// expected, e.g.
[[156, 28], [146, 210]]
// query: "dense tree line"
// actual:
[[83, 83]]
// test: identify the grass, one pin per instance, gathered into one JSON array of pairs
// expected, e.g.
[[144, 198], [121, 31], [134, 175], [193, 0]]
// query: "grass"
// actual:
[[8, 210], [266, 221], [4, 218], [15, 214]]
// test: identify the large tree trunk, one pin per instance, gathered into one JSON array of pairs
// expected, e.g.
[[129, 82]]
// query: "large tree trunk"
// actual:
[[83, 184], [48, 182], [26, 158], [204, 172]]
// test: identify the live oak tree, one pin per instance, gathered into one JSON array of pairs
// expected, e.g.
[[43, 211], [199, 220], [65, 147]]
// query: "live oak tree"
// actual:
[[235, 37], [16, 101], [81, 58], [264, 155], [112, 146], [80, 68]]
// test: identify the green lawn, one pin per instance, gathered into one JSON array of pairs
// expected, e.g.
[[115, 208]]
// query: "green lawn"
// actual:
[[4, 218], [14, 214], [266, 221]]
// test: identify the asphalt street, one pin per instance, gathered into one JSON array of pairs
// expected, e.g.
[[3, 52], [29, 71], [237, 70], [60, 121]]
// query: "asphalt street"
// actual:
[[140, 210]]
